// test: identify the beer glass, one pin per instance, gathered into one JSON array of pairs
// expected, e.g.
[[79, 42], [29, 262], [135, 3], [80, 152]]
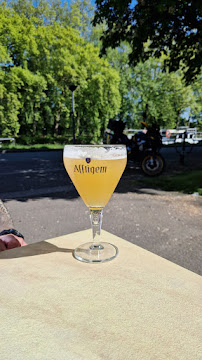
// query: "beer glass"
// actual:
[[95, 171]]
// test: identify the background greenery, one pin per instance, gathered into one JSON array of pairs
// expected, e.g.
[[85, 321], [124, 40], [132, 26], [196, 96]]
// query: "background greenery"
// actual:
[[44, 48], [185, 182]]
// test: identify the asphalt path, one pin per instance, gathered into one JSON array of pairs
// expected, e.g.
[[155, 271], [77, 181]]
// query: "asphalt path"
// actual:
[[43, 203]]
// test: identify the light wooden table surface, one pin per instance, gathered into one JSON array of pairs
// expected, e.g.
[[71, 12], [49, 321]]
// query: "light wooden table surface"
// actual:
[[136, 307]]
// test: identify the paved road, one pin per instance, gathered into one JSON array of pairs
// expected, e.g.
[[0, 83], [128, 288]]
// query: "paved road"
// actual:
[[43, 171], [43, 203]]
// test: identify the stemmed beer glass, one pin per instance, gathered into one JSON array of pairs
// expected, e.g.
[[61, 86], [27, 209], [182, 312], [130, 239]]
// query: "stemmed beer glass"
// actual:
[[95, 171]]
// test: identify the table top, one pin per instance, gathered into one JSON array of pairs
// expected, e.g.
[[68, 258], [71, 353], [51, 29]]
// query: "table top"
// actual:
[[137, 306]]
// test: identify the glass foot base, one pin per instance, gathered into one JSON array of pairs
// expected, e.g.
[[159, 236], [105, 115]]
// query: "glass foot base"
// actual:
[[95, 254]]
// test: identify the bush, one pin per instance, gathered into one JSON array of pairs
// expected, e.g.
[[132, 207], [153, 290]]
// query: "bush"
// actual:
[[40, 139]]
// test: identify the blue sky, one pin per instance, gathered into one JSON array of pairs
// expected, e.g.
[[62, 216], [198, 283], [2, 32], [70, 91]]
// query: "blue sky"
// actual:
[[133, 3]]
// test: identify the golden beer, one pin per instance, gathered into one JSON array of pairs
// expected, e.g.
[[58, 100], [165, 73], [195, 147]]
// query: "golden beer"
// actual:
[[95, 171], [95, 180]]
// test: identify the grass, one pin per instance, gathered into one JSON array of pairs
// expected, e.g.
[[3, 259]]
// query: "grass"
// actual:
[[186, 182]]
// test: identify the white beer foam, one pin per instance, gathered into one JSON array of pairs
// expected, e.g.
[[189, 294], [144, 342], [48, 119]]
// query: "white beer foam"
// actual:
[[94, 152]]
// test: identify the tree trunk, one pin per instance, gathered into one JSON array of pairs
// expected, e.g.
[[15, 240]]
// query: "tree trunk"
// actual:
[[57, 121]]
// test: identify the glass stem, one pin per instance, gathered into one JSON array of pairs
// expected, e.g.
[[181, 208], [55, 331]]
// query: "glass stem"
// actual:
[[96, 223]]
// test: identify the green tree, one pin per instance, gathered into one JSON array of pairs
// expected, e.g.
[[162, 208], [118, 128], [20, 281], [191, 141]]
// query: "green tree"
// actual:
[[195, 114], [118, 59], [147, 91], [39, 63], [172, 26], [80, 17], [9, 109], [31, 89], [162, 97], [99, 97], [77, 14]]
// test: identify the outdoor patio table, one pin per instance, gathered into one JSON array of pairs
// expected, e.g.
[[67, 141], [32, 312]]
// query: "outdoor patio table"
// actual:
[[138, 306]]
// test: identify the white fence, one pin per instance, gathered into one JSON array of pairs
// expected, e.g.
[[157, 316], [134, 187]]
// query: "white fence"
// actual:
[[6, 139], [172, 136]]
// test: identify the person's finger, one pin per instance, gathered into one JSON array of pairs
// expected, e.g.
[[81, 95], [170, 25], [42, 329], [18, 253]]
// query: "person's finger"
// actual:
[[10, 241], [13, 243], [21, 241], [2, 246]]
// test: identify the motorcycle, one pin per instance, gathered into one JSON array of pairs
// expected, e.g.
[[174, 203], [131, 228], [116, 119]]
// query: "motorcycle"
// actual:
[[144, 147]]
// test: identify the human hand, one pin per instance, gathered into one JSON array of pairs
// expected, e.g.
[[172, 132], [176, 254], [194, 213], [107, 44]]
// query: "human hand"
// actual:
[[11, 241]]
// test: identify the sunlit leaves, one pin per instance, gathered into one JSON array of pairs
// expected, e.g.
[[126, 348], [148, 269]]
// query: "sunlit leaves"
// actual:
[[39, 60], [173, 26]]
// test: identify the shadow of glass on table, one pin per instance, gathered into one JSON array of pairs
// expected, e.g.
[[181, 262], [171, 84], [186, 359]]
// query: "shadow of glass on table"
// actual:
[[35, 249]]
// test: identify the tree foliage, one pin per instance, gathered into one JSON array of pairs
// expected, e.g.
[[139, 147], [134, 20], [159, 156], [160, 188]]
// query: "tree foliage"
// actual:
[[76, 14], [195, 114], [41, 56], [50, 45], [118, 58], [172, 26], [147, 91], [163, 97]]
